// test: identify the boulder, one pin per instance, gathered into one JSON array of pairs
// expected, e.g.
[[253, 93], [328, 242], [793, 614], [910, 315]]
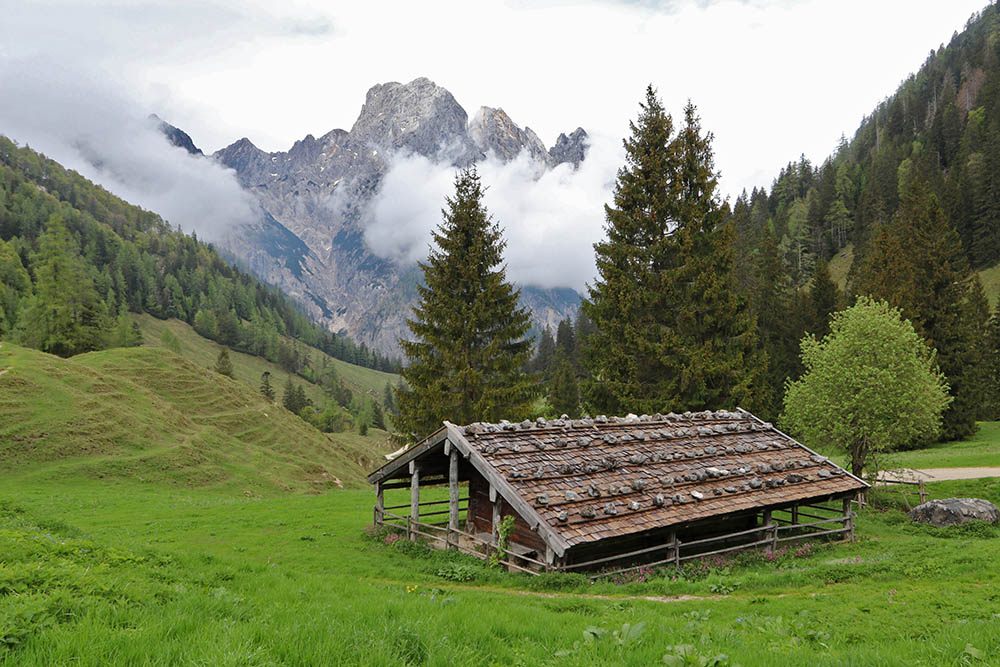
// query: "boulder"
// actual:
[[955, 510]]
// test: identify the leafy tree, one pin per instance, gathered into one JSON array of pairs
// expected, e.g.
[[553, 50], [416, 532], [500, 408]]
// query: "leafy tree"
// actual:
[[871, 385], [223, 364], [265, 386], [671, 333], [470, 346], [66, 315]]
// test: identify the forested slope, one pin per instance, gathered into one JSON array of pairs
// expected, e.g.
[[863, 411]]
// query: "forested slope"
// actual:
[[74, 258]]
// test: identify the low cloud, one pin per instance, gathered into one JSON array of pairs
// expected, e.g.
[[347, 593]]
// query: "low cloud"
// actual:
[[88, 125], [550, 219]]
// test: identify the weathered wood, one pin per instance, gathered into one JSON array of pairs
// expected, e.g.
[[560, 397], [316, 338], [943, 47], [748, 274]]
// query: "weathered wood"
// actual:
[[379, 503], [426, 503], [717, 538], [398, 463], [426, 481], [677, 548], [453, 489], [795, 514], [849, 517], [737, 547], [835, 519], [497, 506], [811, 535], [768, 527], [609, 559], [503, 487], [414, 492]]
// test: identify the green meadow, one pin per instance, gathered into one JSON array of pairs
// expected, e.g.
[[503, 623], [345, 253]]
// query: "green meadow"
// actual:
[[153, 512]]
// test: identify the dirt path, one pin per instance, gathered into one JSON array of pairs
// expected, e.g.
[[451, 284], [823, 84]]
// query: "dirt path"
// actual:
[[938, 474], [665, 599]]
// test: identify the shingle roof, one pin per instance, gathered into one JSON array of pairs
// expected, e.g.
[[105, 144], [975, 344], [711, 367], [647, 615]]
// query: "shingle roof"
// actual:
[[591, 479]]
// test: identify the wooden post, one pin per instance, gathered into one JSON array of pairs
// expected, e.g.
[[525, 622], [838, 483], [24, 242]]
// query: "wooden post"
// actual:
[[452, 491], [795, 514], [414, 498], [923, 493], [677, 549], [550, 557], [379, 504], [769, 548], [848, 518]]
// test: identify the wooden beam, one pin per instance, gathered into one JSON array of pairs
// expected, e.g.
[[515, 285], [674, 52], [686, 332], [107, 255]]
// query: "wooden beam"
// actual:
[[548, 534], [497, 506], [848, 518], [414, 494], [453, 489], [379, 504]]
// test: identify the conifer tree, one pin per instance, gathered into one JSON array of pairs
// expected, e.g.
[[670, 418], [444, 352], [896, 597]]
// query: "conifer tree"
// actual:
[[65, 316], [824, 300], [916, 263], [223, 364], [671, 333], [564, 391], [265, 385], [545, 350], [470, 348]]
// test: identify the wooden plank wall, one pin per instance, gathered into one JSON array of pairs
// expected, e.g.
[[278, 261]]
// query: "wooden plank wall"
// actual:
[[482, 512]]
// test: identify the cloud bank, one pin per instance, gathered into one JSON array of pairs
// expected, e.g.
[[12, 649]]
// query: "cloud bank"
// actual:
[[90, 126], [550, 219]]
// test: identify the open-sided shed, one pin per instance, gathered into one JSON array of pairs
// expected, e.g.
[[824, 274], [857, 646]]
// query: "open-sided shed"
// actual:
[[615, 492]]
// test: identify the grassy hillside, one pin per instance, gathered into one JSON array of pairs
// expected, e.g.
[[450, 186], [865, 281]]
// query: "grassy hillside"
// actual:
[[248, 368], [840, 264], [150, 415]]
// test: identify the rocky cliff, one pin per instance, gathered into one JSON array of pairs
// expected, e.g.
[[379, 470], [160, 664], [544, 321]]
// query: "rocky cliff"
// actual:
[[311, 240]]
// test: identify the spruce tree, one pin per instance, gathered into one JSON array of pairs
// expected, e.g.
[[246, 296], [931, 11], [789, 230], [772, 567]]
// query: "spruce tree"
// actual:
[[916, 263], [265, 386], [223, 364], [823, 300], [564, 391], [671, 333], [466, 361]]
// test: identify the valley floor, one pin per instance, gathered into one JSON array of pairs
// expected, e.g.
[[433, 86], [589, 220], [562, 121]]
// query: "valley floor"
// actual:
[[97, 572]]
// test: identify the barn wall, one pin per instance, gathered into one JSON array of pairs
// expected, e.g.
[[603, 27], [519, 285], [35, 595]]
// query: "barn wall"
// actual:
[[702, 529], [482, 512]]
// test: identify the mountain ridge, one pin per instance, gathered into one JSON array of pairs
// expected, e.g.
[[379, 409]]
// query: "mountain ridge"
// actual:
[[319, 190]]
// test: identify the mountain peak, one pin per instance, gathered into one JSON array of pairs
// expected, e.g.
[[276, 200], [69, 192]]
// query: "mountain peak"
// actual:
[[418, 116], [493, 130], [571, 149], [175, 135]]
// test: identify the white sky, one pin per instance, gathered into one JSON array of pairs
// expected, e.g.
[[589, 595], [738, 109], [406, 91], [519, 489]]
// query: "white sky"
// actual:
[[772, 78]]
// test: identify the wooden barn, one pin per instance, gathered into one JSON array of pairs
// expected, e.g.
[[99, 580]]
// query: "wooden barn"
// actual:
[[613, 493]]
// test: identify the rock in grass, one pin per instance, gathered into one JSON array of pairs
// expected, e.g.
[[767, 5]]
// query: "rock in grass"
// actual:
[[950, 511]]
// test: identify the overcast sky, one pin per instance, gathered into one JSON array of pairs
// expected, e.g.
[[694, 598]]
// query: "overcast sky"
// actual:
[[772, 78]]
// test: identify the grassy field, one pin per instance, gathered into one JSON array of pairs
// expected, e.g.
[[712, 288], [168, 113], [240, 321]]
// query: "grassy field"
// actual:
[[248, 368], [120, 572], [148, 414], [93, 573], [153, 512]]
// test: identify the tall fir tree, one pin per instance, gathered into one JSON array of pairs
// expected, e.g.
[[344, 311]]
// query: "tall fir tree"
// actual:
[[916, 263], [266, 390], [66, 315], [470, 347], [564, 390], [671, 333], [824, 299]]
